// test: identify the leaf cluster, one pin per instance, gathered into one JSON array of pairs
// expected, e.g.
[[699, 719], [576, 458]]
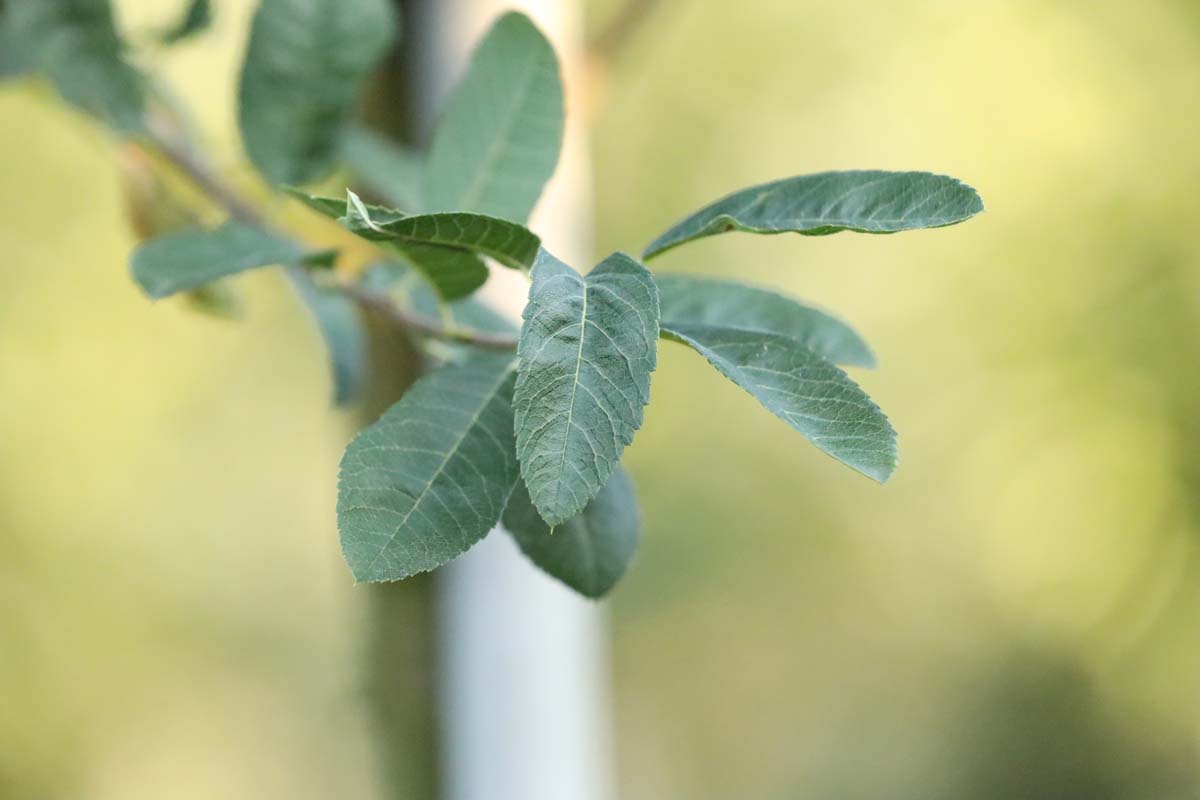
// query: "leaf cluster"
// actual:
[[524, 425]]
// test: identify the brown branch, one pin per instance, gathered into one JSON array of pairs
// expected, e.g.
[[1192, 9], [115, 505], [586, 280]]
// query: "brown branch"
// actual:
[[382, 305], [241, 209]]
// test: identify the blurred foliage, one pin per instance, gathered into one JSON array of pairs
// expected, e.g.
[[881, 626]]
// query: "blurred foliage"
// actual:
[[1013, 616]]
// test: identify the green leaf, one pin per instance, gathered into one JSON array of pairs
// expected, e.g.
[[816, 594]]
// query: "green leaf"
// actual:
[[196, 18], [589, 552], [189, 259], [340, 323], [76, 44], [445, 247], [499, 138], [509, 243], [304, 64], [587, 349], [389, 170], [705, 301], [801, 388], [432, 476], [867, 201]]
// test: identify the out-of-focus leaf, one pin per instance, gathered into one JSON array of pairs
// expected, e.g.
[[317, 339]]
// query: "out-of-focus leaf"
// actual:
[[196, 18], [432, 476], [801, 388], [189, 259], [391, 171], [344, 332], [866, 201], [499, 138], [300, 81], [587, 349], [589, 552], [705, 301], [15, 58], [76, 45]]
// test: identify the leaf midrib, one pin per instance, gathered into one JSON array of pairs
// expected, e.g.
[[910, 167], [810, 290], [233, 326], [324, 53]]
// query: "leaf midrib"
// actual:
[[475, 189], [487, 399], [575, 383]]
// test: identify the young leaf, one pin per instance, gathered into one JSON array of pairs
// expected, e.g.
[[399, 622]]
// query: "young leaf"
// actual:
[[589, 552], [196, 18], [341, 326], [76, 44], [300, 81], [389, 170], [867, 201], [499, 138], [705, 301], [188, 259], [445, 247], [801, 388], [586, 352], [509, 243], [432, 476]]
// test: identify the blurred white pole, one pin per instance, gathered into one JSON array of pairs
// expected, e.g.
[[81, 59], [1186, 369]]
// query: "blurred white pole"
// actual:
[[523, 676]]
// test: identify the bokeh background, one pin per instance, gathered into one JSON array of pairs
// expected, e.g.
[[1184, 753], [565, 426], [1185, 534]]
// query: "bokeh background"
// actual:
[[1013, 616]]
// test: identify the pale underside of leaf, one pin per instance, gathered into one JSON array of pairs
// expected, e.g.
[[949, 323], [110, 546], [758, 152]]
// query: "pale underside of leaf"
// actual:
[[586, 352], [188, 259], [801, 388], [432, 476], [499, 138], [689, 299], [589, 552], [304, 65], [864, 201]]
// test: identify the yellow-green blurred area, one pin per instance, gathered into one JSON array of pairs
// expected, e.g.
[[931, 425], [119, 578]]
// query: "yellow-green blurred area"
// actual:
[[1014, 615]]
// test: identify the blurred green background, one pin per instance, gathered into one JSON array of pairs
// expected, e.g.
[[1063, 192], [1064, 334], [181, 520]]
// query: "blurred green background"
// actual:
[[1013, 616]]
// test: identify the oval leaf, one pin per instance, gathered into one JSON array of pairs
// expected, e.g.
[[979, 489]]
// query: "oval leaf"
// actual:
[[300, 81], [431, 477], [866, 201], [586, 352], [188, 259], [706, 301], [499, 138], [589, 552], [801, 388]]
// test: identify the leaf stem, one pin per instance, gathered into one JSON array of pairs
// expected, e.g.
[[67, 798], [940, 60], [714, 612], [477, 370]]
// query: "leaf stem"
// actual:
[[186, 160]]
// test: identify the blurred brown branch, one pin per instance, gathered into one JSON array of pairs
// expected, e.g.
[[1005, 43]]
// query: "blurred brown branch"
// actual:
[[187, 161]]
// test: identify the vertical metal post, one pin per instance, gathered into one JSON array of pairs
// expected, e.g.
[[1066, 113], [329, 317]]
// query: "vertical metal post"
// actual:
[[523, 680]]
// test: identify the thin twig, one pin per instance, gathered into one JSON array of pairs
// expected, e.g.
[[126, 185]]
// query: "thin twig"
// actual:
[[211, 184], [420, 323]]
